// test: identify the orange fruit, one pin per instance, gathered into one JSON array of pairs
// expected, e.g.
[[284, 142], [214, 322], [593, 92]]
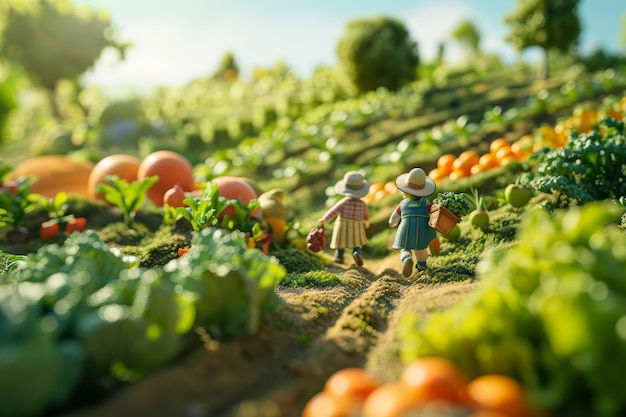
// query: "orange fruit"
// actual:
[[487, 161], [391, 187], [504, 151], [380, 194], [354, 382], [523, 147], [375, 187], [121, 165], [462, 167], [171, 167], [436, 175], [471, 157], [497, 144], [444, 163], [434, 378], [324, 404], [389, 400], [498, 393]]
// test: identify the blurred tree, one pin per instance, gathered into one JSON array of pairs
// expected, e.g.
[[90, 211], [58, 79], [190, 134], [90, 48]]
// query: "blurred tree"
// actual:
[[377, 52], [623, 29], [228, 70], [53, 40], [467, 35], [8, 97], [548, 24]]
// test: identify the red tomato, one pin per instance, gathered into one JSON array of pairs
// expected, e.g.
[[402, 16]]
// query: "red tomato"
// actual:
[[172, 168], [49, 231], [10, 187], [77, 224], [234, 188], [122, 165]]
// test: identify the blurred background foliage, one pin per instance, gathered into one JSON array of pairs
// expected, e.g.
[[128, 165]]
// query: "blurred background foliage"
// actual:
[[228, 124]]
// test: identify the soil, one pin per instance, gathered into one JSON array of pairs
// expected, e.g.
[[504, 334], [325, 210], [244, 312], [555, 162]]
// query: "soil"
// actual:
[[275, 371]]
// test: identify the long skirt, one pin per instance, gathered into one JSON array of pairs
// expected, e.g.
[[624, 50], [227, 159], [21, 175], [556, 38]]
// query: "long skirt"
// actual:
[[348, 234]]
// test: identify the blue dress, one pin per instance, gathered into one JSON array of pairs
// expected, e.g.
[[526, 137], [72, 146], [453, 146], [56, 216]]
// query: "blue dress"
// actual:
[[413, 231]]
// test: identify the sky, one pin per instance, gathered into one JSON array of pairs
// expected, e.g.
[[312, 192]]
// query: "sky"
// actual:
[[176, 41]]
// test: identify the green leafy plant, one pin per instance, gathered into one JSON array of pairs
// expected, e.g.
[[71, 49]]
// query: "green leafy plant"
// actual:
[[204, 211], [589, 167], [478, 217], [457, 203], [129, 197], [548, 311], [234, 286], [15, 202]]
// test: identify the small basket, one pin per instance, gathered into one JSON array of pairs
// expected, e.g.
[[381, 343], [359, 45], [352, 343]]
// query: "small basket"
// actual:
[[442, 219]]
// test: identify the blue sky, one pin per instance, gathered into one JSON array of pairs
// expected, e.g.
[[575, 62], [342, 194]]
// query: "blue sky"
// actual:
[[176, 41]]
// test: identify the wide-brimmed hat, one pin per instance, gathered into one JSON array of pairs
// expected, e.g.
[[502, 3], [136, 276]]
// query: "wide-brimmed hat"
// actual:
[[352, 185], [416, 183]]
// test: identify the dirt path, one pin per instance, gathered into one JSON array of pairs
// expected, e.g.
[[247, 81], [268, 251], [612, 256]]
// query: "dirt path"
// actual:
[[274, 372]]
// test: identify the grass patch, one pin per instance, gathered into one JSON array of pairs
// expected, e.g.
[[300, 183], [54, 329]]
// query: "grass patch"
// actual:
[[311, 279], [297, 261]]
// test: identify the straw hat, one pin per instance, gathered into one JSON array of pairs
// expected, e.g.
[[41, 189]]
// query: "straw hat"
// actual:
[[352, 185], [416, 183]]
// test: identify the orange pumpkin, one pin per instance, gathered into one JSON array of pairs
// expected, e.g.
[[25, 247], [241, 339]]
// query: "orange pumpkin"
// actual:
[[171, 167], [55, 173]]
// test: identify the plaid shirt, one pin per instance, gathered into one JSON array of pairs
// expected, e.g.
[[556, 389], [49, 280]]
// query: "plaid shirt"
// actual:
[[348, 208]]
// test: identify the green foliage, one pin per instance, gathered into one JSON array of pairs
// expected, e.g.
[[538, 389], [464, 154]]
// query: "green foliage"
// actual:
[[457, 203], [17, 205], [377, 52], [548, 311], [591, 166], [311, 279], [129, 197], [234, 286], [298, 261], [53, 40], [204, 211], [8, 97], [545, 23], [467, 34]]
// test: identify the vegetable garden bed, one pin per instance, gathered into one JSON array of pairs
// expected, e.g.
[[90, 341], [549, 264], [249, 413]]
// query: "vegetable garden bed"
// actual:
[[224, 330]]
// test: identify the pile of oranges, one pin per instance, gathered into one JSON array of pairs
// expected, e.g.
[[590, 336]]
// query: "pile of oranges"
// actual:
[[380, 190], [426, 384], [469, 162], [502, 152]]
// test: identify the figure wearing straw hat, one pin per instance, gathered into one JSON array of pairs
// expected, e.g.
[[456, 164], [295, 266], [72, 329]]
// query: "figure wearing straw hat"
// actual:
[[352, 217], [411, 216]]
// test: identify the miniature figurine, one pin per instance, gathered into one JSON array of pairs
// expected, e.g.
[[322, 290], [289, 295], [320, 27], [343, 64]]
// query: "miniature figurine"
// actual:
[[411, 216], [353, 217]]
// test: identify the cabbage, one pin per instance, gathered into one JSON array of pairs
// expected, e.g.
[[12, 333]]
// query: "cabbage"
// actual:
[[234, 286]]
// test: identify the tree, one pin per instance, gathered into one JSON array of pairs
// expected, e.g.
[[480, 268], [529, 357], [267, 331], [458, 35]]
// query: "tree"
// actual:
[[377, 52], [548, 24], [228, 70], [467, 35], [53, 40]]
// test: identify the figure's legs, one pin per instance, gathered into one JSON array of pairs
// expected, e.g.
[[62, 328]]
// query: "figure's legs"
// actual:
[[338, 256], [407, 262], [421, 255], [356, 254]]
